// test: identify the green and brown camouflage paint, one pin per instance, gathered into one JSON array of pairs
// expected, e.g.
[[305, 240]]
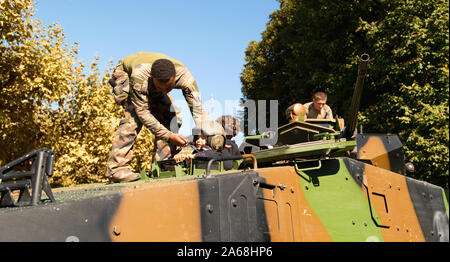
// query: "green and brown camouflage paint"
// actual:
[[342, 200]]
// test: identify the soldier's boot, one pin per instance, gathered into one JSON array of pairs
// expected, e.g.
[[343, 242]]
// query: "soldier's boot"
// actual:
[[124, 175]]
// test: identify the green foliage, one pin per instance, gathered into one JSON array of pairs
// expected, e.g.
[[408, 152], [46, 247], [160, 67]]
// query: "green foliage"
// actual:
[[307, 44], [47, 100], [310, 43], [410, 83]]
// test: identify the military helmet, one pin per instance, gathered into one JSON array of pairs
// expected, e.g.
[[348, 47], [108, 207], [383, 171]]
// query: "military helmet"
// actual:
[[296, 112]]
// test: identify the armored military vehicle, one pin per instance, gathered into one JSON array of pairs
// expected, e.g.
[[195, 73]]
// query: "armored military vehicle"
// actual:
[[320, 181]]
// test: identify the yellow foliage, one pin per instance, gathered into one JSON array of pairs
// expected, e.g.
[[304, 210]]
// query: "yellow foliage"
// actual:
[[143, 149], [47, 100]]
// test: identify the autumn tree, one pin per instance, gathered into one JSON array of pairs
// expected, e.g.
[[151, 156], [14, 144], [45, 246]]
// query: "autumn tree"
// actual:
[[85, 125], [34, 67], [50, 99], [316, 44]]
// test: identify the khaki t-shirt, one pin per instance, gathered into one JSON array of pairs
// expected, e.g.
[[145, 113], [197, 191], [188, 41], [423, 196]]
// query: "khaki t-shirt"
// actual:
[[324, 113]]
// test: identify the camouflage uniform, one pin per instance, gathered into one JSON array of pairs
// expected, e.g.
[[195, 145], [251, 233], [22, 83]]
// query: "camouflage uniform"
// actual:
[[143, 104]]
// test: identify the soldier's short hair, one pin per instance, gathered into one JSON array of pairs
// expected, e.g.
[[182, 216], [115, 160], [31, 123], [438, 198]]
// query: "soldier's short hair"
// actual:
[[319, 95], [163, 70]]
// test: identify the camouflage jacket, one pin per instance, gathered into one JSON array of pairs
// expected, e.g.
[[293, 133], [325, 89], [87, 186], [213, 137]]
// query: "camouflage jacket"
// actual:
[[138, 67]]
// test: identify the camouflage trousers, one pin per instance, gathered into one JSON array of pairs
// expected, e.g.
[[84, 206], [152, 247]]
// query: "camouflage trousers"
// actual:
[[129, 128]]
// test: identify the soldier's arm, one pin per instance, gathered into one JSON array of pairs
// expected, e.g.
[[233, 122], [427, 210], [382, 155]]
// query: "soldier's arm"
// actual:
[[138, 96], [189, 88]]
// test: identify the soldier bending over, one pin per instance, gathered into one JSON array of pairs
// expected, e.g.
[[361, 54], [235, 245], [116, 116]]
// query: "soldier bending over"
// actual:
[[141, 83]]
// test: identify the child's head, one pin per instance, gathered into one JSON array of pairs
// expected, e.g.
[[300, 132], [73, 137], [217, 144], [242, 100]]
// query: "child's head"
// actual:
[[209, 133], [200, 141]]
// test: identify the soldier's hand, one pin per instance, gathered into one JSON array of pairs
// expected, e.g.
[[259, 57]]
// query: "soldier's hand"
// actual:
[[178, 140], [190, 156], [178, 158]]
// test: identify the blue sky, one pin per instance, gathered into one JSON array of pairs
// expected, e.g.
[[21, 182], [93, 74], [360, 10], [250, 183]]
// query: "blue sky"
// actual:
[[209, 37]]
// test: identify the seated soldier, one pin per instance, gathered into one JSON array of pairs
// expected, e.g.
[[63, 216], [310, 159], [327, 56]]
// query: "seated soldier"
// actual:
[[318, 109]]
